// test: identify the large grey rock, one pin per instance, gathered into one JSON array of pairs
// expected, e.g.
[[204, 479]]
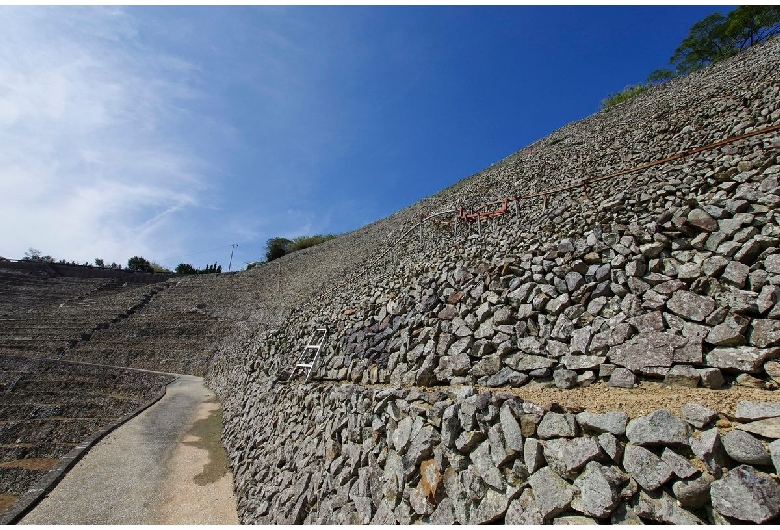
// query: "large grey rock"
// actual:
[[582, 362], [402, 434], [745, 448], [768, 428], [566, 456], [612, 422], [725, 335], [565, 379], [486, 468], [658, 428], [512, 432], [709, 448], [753, 410], [422, 445], [533, 455], [746, 494], [555, 425], [680, 466], [741, 358], [774, 452], [702, 220], [690, 305], [697, 415], [444, 514], [648, 349], [599, 490], [647, 469], [553, 494], [490, 508], [524, 510], [765, 333], [695, 492], [506, 376], [736, 274]]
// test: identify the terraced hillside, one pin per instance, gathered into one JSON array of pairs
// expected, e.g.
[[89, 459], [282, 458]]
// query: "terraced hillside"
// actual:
[[537, 367], [604, 351], [49, 407]]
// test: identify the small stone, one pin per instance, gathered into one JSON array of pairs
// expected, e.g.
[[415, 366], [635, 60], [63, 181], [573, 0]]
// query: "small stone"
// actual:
[[611, 446], [658, 428], [647, 469], [573, 520], [622, 378], [772, 368], [682, 375], [711, 377], [749, 381], [745, 449], [697, 415], [663, 508], [533, 455], [746, 494], [612, 422], [555, 425]]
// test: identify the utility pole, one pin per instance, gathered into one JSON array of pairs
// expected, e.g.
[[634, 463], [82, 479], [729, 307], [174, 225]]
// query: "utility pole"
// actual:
[[232, 247]]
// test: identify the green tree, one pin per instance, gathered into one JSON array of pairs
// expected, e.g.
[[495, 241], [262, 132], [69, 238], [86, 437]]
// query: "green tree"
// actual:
[[749, 25], [185, 268], [33, 254], [139, 264], [99, 262], [276, 247]]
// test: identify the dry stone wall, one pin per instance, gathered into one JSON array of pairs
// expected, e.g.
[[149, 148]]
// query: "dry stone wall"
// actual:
[[667, 275]]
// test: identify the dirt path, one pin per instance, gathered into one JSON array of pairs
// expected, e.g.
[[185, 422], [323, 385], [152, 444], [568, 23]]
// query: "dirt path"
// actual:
[[166, 466]]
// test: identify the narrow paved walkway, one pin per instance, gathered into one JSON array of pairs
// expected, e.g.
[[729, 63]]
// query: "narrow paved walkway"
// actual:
[[165, 466]]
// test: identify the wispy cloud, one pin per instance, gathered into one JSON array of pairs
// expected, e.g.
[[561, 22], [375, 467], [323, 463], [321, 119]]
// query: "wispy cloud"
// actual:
[[88, 167]]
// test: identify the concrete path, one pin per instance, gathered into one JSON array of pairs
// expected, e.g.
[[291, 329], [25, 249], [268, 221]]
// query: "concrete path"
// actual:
[[165, 466]]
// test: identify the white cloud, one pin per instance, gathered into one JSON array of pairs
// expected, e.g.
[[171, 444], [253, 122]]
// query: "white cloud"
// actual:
[[88, 167]]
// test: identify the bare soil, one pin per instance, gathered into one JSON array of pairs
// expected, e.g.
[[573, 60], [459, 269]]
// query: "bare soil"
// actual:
[[32, 464], [644, 399]]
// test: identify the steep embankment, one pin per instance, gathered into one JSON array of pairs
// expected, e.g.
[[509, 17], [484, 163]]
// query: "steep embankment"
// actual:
[[666, 277]]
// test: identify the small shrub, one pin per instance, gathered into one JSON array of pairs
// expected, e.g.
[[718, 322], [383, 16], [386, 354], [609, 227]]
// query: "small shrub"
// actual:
[[624, 95]]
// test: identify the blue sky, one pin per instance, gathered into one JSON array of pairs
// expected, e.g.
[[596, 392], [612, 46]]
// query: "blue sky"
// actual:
[[172, 132]]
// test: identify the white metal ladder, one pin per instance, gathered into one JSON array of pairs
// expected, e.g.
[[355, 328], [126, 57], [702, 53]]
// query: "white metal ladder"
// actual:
[[310, 354]]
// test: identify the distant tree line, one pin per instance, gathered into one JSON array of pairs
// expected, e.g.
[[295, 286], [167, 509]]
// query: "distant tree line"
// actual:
[[276, 247], [186, 268], [712, 39]]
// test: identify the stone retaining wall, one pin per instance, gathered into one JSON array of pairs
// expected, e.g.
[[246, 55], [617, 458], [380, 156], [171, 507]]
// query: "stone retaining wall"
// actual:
[[347, 454]]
